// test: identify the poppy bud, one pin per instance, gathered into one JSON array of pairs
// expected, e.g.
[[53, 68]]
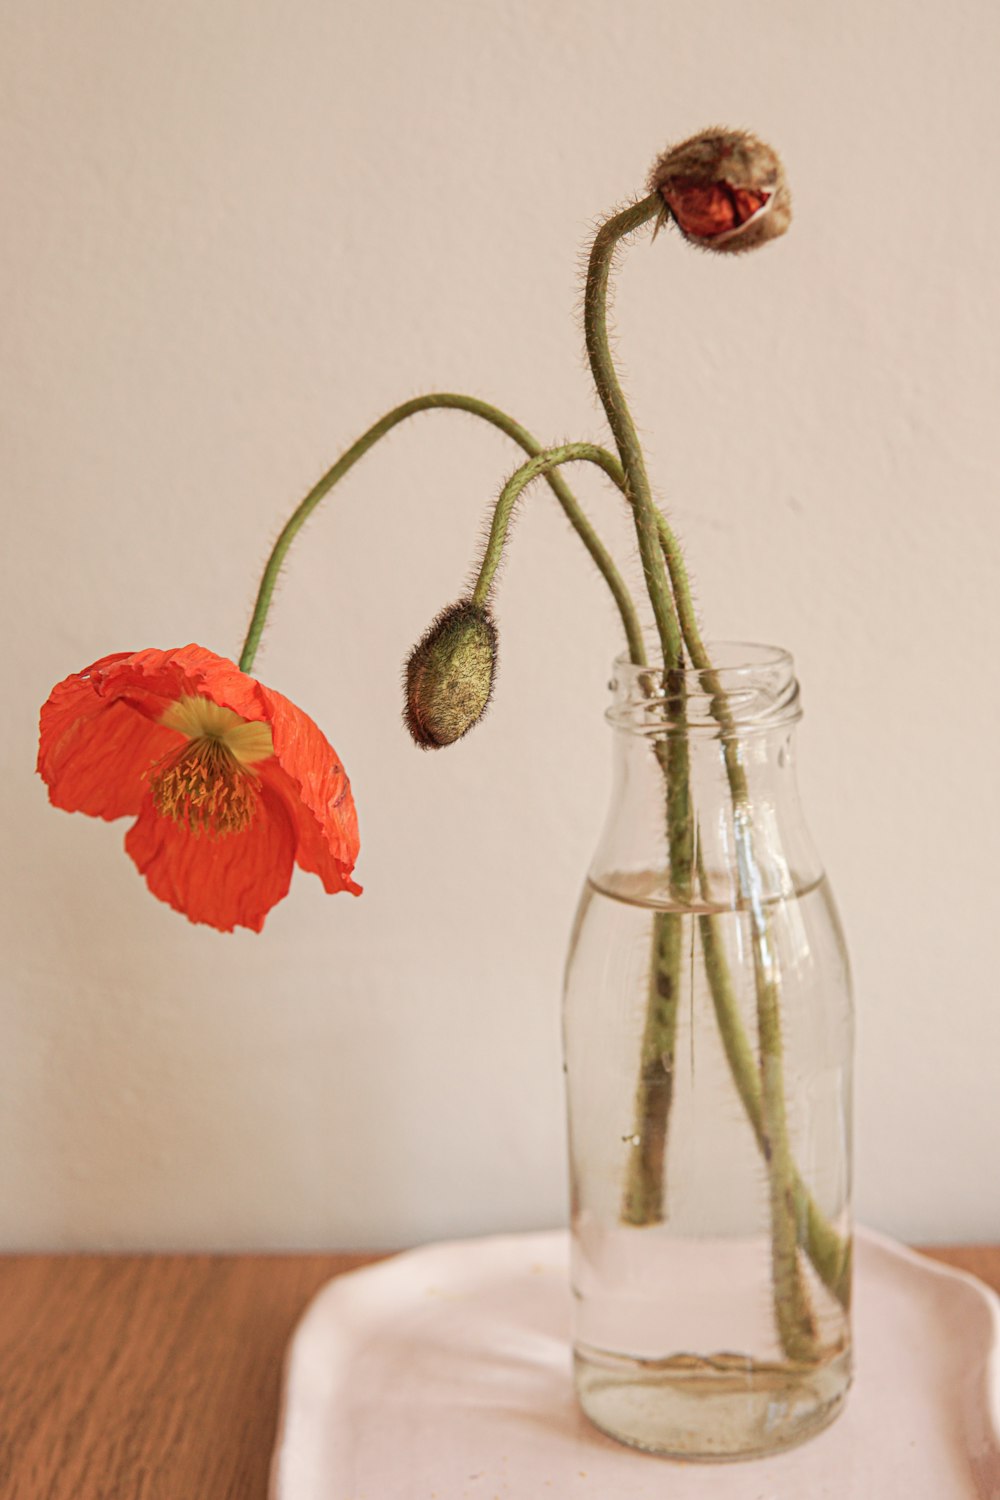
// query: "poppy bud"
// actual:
[[724, 189], [449, 676]]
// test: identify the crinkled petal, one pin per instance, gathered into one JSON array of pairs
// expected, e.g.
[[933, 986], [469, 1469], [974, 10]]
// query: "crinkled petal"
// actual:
[[316, 850], [308, 773], [93, 754], [229, 881], [101, 733], [153, 680]]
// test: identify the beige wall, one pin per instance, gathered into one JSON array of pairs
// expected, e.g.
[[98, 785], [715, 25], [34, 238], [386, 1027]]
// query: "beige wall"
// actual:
[[234, 233]]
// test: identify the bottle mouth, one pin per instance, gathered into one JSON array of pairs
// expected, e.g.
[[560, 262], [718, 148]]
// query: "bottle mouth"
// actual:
[[747, 687]]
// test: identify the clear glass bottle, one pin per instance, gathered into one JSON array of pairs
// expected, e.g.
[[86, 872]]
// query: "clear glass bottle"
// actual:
[[708, 1033]]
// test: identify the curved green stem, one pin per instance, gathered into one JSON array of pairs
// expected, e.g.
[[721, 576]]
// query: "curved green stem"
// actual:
[[677, 626], [542, 465], [681, 587], [645, 1186], [829, 1253], [767, 1109], [595, 311], [497, 418], [694, 645]]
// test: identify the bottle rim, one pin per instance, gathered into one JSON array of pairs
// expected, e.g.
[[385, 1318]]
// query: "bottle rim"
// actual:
[[749, 686]]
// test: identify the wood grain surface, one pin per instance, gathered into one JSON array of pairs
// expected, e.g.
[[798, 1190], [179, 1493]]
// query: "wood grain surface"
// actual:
[[156, 1377]]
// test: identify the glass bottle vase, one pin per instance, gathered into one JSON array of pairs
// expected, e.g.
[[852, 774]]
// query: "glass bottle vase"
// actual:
[[708, 1032]]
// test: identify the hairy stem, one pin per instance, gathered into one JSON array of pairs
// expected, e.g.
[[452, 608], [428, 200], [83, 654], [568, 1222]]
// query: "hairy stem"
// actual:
[[788, 1225], [644, 1192], [643, 1200], [675, 617], [792, 1306], [595, 313], [829, 1253], [436, 401], [645, 1182], [543, 465]]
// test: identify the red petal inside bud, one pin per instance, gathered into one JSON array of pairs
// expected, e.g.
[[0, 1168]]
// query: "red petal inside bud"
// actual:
[[706, 210]]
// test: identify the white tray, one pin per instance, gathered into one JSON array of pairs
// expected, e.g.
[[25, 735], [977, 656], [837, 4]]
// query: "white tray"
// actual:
[[444, 1374]]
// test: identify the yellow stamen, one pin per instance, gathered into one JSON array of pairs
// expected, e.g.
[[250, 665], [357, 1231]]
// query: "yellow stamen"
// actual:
[[206, 788], [209, 785]]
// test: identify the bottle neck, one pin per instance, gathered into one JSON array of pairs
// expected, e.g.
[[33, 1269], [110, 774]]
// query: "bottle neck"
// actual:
[[738, 724]]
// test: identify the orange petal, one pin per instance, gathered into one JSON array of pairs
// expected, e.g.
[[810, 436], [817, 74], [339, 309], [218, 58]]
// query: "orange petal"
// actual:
[[227, 882], [151, 680], [314, 784], [316, 851], [93, 754]]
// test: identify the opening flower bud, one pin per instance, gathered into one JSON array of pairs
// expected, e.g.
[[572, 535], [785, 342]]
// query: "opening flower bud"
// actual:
[[449, 676], [724, 189]]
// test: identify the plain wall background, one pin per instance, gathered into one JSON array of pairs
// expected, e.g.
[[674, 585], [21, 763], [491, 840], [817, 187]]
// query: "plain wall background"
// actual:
[[234, 234]]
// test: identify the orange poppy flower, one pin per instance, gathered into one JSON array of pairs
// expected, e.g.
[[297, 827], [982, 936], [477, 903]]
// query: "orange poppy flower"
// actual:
[[230, 784]]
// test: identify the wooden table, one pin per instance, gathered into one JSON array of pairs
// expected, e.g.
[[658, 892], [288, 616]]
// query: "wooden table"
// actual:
[[156, 1377]]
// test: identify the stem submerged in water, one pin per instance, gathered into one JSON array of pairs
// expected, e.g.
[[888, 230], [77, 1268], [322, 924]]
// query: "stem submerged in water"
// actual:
[[645, 1182], [829, 1253], [792, 1308], [643, 1196], [644, 1189]]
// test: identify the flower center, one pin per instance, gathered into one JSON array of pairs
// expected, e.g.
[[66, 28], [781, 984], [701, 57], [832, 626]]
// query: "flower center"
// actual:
[[209, 785], [206, 788]]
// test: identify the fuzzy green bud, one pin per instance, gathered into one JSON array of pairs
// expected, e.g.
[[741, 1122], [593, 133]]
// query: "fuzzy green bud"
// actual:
[[449, 676]]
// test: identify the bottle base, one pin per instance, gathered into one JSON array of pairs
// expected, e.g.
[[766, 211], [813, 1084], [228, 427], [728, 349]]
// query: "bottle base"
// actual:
[[710, 1409]]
